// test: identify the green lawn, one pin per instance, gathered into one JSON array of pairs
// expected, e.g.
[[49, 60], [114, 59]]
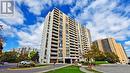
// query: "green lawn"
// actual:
[[101, 62], [69, 69]]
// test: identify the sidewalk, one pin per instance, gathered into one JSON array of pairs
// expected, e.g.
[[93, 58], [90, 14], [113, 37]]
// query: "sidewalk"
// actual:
[[85, 70]]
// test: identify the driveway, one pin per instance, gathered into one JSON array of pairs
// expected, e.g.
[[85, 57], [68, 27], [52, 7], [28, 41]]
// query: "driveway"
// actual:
[[114, 68], [4, 69], [7, 65]]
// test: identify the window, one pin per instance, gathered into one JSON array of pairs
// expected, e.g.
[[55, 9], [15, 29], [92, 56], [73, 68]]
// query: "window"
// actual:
[[60, 35], [66, 25], [49, 18], [60, 22], [61, 13], [61, 19], [60, 26], [66, 31], [45, 51], [46, 40], [60, 43], [106, 45], [60, 53]]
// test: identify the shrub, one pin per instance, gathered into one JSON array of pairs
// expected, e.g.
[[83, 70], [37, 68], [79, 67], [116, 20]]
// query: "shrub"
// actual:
[[85, 63], [81, 62], [32, 64]]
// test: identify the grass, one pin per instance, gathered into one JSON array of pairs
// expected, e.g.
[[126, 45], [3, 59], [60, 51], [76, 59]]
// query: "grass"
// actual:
[[101, 62], [69, 69], [96, 63]]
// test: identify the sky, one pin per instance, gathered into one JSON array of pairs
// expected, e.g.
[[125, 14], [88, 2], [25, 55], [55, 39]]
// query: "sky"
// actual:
[[104, 18]]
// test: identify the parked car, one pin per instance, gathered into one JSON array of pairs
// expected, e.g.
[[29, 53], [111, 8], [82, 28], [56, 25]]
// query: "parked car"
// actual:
[[26, 64]]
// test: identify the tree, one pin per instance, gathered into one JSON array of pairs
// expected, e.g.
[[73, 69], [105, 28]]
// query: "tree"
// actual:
[[34, 56], [2, 58], [89, 56], [95, 54], [23, 56], [111, 57], [11, 56], [1, 46], [1, 40], [98, 55]]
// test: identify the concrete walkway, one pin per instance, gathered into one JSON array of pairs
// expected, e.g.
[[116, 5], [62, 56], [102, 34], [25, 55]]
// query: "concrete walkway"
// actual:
[[85, 70]]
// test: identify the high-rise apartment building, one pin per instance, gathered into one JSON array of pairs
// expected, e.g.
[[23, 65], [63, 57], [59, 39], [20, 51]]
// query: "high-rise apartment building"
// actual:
[[24, 50], [110, 45], [64, 40]]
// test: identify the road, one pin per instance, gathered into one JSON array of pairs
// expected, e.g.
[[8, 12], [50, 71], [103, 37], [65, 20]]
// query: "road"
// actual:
[[4, 69], [114, 68]]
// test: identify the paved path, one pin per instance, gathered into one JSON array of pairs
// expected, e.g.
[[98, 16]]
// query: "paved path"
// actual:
[[84, 70], [7, 65], [3, 69], [114, 68]]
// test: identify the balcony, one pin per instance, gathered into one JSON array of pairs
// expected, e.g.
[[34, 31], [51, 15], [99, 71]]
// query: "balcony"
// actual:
[[54, 57], [55, 32], [53, 53], [72, 55], [71, 36], [54, 39], [54, 35], [55, 43], [55, 29], [55, 20], [55, 24], [56, 16], [72, 39], [72, 51], [56, 12], [71, 46], [53, 49]]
